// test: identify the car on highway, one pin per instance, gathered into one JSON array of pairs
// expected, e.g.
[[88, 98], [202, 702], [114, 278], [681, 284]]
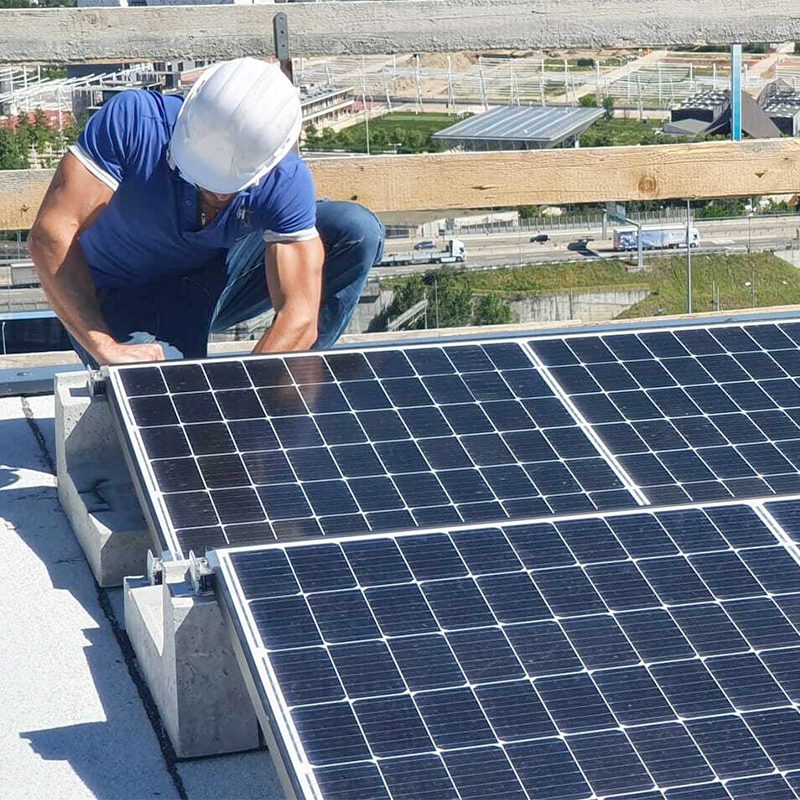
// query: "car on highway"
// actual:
[[425, 244], [540, 238]]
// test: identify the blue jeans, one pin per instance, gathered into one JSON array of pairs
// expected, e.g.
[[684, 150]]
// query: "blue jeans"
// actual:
[[179, 312]]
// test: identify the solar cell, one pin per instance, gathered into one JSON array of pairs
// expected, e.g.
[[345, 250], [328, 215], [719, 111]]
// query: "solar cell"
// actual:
[[691, 414], [561, 660], [353, 441]]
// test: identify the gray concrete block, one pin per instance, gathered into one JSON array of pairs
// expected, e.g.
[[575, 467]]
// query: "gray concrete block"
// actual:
[[186, 656], [94, 484]]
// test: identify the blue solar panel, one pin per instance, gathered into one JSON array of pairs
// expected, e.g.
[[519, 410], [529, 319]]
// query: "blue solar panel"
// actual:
[[622, 655], [691, 414], [239, 451]]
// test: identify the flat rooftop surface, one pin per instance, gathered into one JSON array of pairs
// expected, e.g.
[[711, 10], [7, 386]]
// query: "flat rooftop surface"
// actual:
[[75, 721]]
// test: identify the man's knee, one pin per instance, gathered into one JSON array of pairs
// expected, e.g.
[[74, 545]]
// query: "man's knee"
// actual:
[[349, 228]]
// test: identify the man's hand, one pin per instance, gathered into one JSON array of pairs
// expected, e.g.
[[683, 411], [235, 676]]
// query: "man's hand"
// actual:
[[130, 353]]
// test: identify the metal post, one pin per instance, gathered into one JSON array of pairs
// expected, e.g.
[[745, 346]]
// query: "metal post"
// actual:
[[451, 106], [641, 102], [639, 248], [736, 92], [366, 110], [688, 257], [417, 83], [597, 81], [280, 34], [659, 84], [541, 87], [386, 90], [605, 224], [482, 80]]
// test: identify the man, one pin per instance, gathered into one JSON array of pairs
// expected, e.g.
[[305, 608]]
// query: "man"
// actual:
[[172, 218]]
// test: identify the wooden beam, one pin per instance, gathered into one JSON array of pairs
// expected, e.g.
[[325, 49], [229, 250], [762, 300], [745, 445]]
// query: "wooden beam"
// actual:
[[445, 181], [218, 32], [21, 192]]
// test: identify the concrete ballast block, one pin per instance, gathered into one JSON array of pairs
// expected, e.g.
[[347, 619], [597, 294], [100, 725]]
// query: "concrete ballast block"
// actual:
[[185, 654], [94, 484]]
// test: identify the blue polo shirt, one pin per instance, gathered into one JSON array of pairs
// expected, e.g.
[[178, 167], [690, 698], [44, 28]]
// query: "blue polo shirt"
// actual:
[[151, 227]]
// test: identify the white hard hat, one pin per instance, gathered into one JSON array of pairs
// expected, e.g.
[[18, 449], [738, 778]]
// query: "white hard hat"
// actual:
[[238, 121]]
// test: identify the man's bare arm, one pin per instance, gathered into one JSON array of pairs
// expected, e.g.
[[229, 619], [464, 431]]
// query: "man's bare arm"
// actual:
[[71, 204], [294, 280]]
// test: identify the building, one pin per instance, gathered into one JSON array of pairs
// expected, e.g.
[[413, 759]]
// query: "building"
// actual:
[[781, 102], [776, 112], [323, 104], [520, 128]]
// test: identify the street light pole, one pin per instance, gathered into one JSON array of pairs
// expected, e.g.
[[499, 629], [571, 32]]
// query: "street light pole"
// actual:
[[688, 257], [639, 248]]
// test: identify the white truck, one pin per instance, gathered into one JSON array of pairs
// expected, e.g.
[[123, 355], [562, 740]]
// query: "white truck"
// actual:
[[655, 237], [454, 253]]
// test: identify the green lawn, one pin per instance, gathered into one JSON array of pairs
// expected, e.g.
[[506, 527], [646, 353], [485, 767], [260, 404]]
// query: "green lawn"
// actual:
[[548, 278], [400, 131], [620, 132], [776, 282], [424, 123]]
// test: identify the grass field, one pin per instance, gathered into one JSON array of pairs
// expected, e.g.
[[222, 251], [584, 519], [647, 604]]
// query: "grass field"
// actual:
[[620, 132], [739, 281], [425, 124], [757, 280], [548, 278]]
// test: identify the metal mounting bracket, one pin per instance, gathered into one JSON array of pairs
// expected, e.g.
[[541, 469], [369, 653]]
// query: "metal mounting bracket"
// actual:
[[201, 575], [97, 383], [155, 569]]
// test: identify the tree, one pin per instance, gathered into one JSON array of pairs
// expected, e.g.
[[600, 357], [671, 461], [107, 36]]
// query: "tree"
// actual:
[[608, 105], [11, 156], [24, 132], [41, 132], [449, 298], [415, 141], [492, 310], [451, 302], [328, 140], [588, 101], [379, 140], [312, 137], [406, 295]]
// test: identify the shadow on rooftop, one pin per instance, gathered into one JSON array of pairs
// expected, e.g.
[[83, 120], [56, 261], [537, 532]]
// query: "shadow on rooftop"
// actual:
[[116, 756]]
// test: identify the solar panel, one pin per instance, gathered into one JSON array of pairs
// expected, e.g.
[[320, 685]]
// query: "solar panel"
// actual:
[[236, 451], [691, 414], [629, 655]]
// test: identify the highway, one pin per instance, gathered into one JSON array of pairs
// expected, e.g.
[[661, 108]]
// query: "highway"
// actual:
[[504, 249]]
